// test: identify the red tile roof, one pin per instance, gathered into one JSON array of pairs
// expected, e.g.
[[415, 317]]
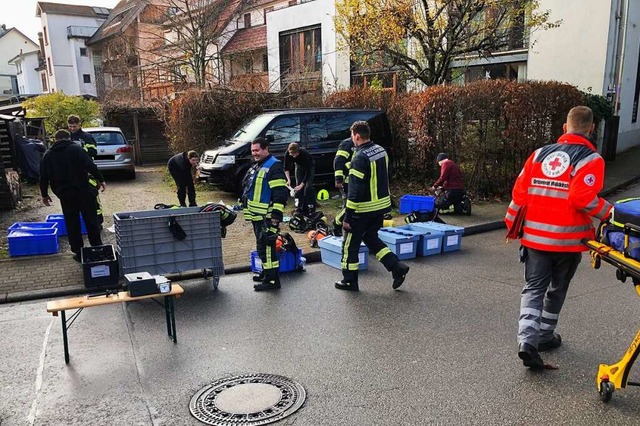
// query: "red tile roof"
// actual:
[[247, 39]]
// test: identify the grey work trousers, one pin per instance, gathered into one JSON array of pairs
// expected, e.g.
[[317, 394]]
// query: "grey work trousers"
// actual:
[[547, 276]]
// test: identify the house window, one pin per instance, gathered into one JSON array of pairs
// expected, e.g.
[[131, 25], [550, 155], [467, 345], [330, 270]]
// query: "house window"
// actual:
[[247, 20], [265, 63], [86, 78], [83, 51], [267, 10], [248, 65], [46, 38], [43, 78], [49, 66], [301, 52]]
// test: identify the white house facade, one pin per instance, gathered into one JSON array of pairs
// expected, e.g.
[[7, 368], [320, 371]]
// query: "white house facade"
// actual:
[[334, 65], [28, 76], [65, 29], [12, 43], [596, 48]]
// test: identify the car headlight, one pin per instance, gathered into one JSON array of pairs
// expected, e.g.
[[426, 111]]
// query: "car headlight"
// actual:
[[225, 159]]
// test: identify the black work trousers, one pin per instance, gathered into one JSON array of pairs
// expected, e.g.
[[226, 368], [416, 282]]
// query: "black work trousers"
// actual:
[[72, 206], [266, 247], [450, 196], [185, 187], [364, 228], [307, 195]]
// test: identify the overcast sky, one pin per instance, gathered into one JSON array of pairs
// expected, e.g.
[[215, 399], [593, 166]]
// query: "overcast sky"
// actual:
[[22, 13]]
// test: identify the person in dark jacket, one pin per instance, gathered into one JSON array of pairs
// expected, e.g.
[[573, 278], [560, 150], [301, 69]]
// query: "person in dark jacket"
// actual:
[[341, 165], [181, 167], [88, 142], [299, 160], [451, 181], [65, 167]]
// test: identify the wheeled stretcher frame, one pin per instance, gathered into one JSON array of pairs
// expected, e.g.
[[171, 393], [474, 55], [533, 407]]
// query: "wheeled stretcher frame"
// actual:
[[615, 376]]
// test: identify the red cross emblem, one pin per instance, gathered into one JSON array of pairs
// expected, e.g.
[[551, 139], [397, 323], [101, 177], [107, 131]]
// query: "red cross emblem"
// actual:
[[555, 163]]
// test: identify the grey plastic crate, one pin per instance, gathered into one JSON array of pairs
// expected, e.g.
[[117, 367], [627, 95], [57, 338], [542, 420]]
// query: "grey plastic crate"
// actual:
[[145, 243]]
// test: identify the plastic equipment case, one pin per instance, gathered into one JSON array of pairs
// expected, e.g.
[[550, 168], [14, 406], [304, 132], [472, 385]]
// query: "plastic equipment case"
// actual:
[[417, 203], [402, 243], [451, 234], [331, 253], [145, 241], [430, 241], [62, 227], [141, 284], [29, 226], [33, 241], [288, 262], [100, 266]]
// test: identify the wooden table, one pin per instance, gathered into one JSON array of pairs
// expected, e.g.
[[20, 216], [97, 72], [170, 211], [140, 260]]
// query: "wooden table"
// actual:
[[79, 303]]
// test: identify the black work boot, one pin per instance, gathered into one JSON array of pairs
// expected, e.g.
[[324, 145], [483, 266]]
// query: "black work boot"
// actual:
[[399, 273], [530, 356], [258, 277], [270, 281], [552, 343], [345, 285]]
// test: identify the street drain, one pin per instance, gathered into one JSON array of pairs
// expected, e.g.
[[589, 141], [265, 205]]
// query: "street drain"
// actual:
[[247, 400]]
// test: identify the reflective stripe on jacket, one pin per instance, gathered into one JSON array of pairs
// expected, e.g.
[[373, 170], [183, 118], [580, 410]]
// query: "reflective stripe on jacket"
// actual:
[[369, 181], [559, 184], [267, 191], [341, 162]]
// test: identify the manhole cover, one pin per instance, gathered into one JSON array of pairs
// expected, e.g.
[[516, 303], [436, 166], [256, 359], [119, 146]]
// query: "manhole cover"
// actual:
[[248, 400]]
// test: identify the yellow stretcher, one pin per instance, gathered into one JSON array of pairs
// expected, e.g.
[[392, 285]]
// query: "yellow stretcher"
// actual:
[[612, 377]]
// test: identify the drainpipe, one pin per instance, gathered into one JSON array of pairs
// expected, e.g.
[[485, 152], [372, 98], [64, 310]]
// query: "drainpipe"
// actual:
[[620, 65]]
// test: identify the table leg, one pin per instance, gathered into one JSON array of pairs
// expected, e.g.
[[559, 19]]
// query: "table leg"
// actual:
[[65, 342], [173, 318], [167, 311]]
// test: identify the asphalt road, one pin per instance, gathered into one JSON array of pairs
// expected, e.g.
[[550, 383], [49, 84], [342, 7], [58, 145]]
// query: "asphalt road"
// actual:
[[440, 351]]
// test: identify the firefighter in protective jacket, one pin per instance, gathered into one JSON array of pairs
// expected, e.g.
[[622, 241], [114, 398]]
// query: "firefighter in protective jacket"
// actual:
[[367, 202], [557, 190], [264, 197], [88, 142], [341, 165]]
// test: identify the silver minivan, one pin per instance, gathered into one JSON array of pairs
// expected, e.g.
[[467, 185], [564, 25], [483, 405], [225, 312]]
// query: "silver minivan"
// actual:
[[114, 152]]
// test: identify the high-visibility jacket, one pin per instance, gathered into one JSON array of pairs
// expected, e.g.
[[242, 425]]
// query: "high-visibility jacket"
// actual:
[[341, 162], [559, 184], [368, 182], [265, 190], [87, 141]]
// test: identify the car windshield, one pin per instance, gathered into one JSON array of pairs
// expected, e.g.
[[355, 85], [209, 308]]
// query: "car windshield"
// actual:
[[108, 138], [251, 128]]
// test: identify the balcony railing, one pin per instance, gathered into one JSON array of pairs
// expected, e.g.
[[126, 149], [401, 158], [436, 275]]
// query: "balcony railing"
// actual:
[[80, 32]]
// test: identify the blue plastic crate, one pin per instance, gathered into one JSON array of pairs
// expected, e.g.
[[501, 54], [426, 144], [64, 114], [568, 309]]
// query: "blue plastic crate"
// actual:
[[28, 226], [33, 242], [452, 235], [287, 260], [430, 241], [417, 203], [62, 227], [403, 244], [331, 253]]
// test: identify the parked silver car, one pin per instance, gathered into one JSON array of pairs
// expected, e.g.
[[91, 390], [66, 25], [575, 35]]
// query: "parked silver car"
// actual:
[[114, 152]]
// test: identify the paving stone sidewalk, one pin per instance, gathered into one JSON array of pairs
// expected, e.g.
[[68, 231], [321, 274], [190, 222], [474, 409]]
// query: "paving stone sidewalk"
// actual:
[[57, 275]]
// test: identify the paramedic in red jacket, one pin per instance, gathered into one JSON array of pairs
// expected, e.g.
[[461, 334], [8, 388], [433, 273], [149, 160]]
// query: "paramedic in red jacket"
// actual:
[[559, 186]]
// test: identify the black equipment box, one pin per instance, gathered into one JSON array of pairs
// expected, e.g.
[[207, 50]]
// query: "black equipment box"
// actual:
[[100, 267], [141, 284]]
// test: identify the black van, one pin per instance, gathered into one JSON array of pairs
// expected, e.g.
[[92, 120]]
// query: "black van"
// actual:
[[319, 131]]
